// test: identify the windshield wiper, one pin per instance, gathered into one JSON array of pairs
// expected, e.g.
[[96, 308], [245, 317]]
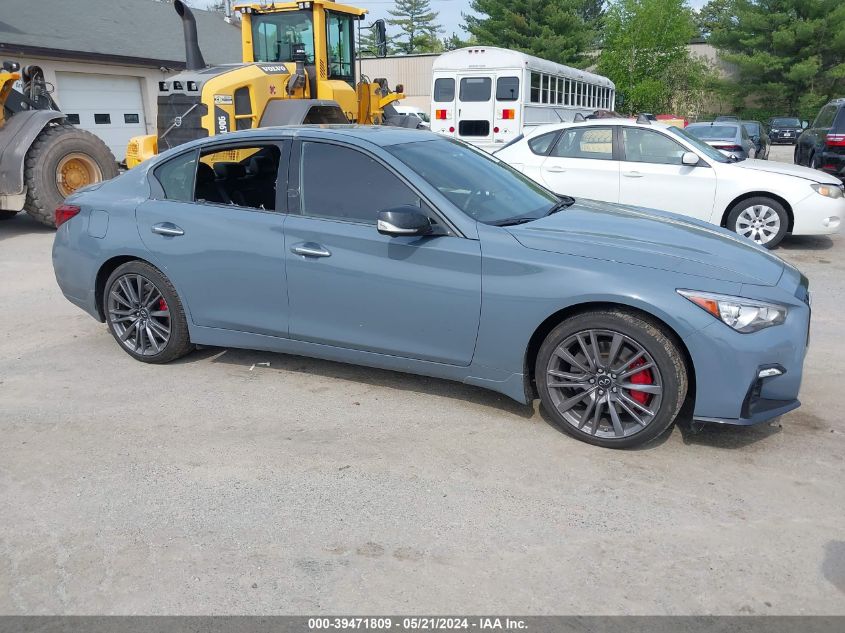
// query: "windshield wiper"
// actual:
[[565, 201], [514, 221]]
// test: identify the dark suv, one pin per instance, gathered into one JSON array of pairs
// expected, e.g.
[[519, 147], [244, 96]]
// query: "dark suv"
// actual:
[[784, 129], [822, 145]]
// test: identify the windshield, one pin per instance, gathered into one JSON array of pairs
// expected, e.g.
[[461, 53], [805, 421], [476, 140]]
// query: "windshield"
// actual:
[[704, 148], [274, 36], [481, 186], [785, 123], [713, 131]]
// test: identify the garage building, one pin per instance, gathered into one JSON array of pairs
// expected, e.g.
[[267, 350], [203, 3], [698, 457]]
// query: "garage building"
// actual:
[[104, 58]]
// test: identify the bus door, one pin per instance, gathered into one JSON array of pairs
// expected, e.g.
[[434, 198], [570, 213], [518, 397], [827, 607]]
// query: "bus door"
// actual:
[[475, 108]]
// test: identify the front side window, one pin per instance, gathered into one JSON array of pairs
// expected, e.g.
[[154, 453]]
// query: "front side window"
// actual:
[[645, 146], [361, 186], [274, 36], [476, 89], [444, 90], [340, 41], [242, 176], [585, 142], [176, 177], [507, 88], [480, 185]]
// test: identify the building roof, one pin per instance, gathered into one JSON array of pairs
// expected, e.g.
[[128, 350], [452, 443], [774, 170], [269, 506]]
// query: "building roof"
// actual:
[[135, 32]]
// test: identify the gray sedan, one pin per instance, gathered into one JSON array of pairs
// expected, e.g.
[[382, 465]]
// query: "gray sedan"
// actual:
[[408, 251], [731, 139]]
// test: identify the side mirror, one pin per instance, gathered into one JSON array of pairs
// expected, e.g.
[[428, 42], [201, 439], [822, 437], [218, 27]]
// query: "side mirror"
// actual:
[[405, 221], [690, 159], [805, 125], [381, 38]]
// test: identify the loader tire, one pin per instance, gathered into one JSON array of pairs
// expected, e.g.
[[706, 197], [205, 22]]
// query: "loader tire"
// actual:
[[62, 159]]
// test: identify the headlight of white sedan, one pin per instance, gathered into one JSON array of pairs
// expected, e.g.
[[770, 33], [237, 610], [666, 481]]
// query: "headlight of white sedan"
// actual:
[[743, 315], [828, 191]]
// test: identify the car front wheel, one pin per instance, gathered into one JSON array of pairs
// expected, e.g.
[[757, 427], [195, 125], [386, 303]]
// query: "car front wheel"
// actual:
[[760, 219], [144, 314], [611, 378]]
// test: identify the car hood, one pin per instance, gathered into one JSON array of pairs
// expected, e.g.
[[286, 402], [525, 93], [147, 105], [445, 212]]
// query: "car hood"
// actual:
[[650, 238], [785, 169]]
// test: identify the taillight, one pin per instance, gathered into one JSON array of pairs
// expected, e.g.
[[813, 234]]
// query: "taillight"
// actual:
[[440, 115], [835, 140], [65, 213], [508, 114]]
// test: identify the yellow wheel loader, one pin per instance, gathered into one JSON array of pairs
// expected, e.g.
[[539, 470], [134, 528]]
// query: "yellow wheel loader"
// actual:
[[43, 158], [299, 66]]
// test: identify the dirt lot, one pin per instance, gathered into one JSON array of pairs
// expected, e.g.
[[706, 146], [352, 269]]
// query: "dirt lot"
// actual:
[[210, 486]]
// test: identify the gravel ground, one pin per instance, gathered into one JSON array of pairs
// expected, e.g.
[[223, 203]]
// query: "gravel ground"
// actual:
[[210, 486]]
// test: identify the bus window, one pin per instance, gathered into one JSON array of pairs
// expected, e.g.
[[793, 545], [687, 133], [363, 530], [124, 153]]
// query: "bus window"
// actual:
[[535, 88], [475, 89], [545, 88], [444, 89], [507, 88]]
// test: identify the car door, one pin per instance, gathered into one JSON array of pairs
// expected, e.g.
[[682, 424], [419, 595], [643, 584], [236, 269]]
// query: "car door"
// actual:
[[652, 175], [581, 164], [215, 227], [349, 286]]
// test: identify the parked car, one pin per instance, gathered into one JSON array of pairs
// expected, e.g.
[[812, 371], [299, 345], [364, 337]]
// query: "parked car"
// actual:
[[757, 133], [785, 129], [822, 145], [428, 256], [662, 167], [729, 138], [405, 110]]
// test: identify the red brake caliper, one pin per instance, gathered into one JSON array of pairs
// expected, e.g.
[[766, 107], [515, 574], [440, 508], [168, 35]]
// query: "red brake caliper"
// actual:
[[162, 305], [643, 377]]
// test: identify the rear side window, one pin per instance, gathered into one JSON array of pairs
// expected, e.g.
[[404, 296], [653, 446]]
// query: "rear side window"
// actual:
[[589, 142], [543, 143], [444, 89], [361, 186], [507, 88], [240, 176], [825, 117], [176, 177], [476, 89]]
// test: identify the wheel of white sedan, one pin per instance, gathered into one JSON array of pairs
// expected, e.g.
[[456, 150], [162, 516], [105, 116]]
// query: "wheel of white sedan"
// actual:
[[611, 378], [761, 219], [144, 314]]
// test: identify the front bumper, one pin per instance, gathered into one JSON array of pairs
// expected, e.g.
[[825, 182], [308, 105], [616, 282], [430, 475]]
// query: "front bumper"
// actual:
[[784, 137], [727, 363], [818, 215]]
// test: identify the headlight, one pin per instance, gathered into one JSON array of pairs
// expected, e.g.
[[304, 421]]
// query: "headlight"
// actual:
[[828, 191], [743, 315]]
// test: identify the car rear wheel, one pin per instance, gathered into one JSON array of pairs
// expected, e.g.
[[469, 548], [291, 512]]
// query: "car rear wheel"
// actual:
[[760, 219], [144, 314], [611, 378]]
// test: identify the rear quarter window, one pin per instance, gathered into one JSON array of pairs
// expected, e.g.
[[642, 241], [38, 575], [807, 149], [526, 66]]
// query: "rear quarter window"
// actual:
[[542, 144], [176, 177]]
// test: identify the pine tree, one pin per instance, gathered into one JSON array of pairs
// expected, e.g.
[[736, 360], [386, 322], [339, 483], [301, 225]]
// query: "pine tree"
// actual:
[[418, 27], [789, 54], [552, 30]]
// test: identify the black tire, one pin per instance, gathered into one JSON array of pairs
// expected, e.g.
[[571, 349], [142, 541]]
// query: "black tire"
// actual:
[[777, 207], [178, 343], [54, 143], [652, 338], [815, 162], [7, 215]]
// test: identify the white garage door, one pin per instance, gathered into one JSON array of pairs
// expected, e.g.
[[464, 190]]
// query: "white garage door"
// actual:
[[110, 106]]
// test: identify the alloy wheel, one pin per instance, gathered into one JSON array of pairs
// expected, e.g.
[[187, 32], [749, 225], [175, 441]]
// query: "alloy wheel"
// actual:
[[758, 222], [604, 383], [139, 314]]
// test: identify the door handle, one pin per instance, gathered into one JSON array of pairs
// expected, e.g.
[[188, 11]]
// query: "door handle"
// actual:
[[310, 249], [555, 170], [632, 174], [167, 228]]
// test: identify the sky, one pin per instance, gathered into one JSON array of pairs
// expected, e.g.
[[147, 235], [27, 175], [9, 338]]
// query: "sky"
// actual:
[[449, 11]]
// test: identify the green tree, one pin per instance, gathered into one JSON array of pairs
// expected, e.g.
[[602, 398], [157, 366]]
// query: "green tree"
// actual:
[[789, 54], [418, 27], [454, 42], [552, 30], [645, 53], [714, 15]]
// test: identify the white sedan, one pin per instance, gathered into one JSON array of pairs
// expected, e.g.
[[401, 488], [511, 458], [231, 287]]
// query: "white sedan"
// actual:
[[648, 164]]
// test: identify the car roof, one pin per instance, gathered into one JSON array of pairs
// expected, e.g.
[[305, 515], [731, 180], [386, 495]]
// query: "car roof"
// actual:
[[565, 125]]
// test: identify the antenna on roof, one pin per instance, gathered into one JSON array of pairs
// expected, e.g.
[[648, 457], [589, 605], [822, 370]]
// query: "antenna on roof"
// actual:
[[579, 117], [642, 119]]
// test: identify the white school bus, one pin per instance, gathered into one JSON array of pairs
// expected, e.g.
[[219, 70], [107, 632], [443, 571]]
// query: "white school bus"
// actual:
[[486, 95]]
